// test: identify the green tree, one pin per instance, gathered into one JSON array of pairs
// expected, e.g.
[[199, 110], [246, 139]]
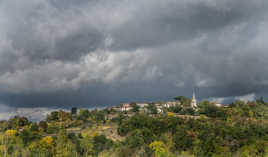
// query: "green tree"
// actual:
[[87, 146], [83, 114], [17, 122], [74, 110], [183, 140], [135, 107], [53, 116], [64, 147], [237, 103], [160, 149], [43, 125], [181, 99], [152, 108], [260, 101], [101, 143]]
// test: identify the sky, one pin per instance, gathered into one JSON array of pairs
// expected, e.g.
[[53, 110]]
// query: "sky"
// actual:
[[93, 53]]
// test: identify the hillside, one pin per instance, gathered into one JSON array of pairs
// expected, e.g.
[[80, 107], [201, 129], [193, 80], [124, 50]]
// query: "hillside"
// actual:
[[239, 130]]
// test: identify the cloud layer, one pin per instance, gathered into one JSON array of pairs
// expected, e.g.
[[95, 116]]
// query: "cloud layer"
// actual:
[[99, 52]]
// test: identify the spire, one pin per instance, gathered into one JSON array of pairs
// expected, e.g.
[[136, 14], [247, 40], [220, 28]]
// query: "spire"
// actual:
[[193, 95], [193, 102]]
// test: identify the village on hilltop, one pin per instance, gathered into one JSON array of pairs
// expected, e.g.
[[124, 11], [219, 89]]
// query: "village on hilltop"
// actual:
[[160, 106]]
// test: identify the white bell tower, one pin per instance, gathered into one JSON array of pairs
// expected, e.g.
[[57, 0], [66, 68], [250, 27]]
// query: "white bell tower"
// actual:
[[194, 101]]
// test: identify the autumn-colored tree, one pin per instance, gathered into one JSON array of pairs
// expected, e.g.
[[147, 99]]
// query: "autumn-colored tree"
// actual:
[[43, 125], [47, 144], [64, 147], [160, 149]]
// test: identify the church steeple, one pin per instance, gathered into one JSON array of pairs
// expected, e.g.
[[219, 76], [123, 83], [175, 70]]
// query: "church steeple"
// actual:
[[194, 101]]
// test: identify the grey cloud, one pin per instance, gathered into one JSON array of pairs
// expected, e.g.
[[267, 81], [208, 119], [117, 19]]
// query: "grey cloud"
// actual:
[[158, 23], [65, 53]]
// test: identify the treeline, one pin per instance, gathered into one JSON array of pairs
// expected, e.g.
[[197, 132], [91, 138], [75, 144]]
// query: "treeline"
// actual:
[[239, 130]]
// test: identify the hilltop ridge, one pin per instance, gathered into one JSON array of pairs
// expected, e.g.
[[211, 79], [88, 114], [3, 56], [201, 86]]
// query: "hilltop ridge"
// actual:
[[172, 129]]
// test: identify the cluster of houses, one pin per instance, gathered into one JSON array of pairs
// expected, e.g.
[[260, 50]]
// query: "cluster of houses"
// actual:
[[159, 106], [143, 106]]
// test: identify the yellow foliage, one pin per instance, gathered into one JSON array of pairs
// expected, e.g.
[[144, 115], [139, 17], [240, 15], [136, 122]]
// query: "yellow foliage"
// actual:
[[171, 114], [251, 114], [46, 144], [157, 144], [186, 154], [89, 132], [34, 145], [47, 141], [94, 133], [2, 148], [158, 147], [11, 132], [202, 117]]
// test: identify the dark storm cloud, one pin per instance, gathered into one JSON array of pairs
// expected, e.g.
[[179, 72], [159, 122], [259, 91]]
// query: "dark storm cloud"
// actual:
[[63, 53], [40, 30], [163, 22]]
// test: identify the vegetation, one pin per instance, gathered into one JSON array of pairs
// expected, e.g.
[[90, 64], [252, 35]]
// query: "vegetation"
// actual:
[[240, 130]]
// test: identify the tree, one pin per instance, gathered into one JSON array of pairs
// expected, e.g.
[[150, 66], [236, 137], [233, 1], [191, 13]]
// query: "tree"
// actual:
[[183, 139], [175, 109], [152, 108], [83, 114], [119, 119], [17, 122], [260, 148], [101, 143], [189, 110], [43, 125], [160, 149], [13, 143], [28, 136], [183, 100], [74, 110], [11, 133], [260, 101], [135, 107], [64, 147], [135, 140], [23, 121], [87, 146], [180, 98], [100, 116], [52, 128], [34, 127], [221, 151], [63, 116], [237, 103], [53, 116], [47, 144]]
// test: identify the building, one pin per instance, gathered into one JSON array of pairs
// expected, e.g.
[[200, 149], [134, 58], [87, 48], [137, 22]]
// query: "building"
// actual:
[[142, 105], [171, 104], [194, 102], [159, 108], [126, 107], [218, 105], [122, 107], [221, 105]]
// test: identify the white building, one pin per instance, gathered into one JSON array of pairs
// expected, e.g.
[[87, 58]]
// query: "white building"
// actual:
[[124, 107], [194, 102], [171, 104], [159, 108], [218, 105], [142, 105]]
